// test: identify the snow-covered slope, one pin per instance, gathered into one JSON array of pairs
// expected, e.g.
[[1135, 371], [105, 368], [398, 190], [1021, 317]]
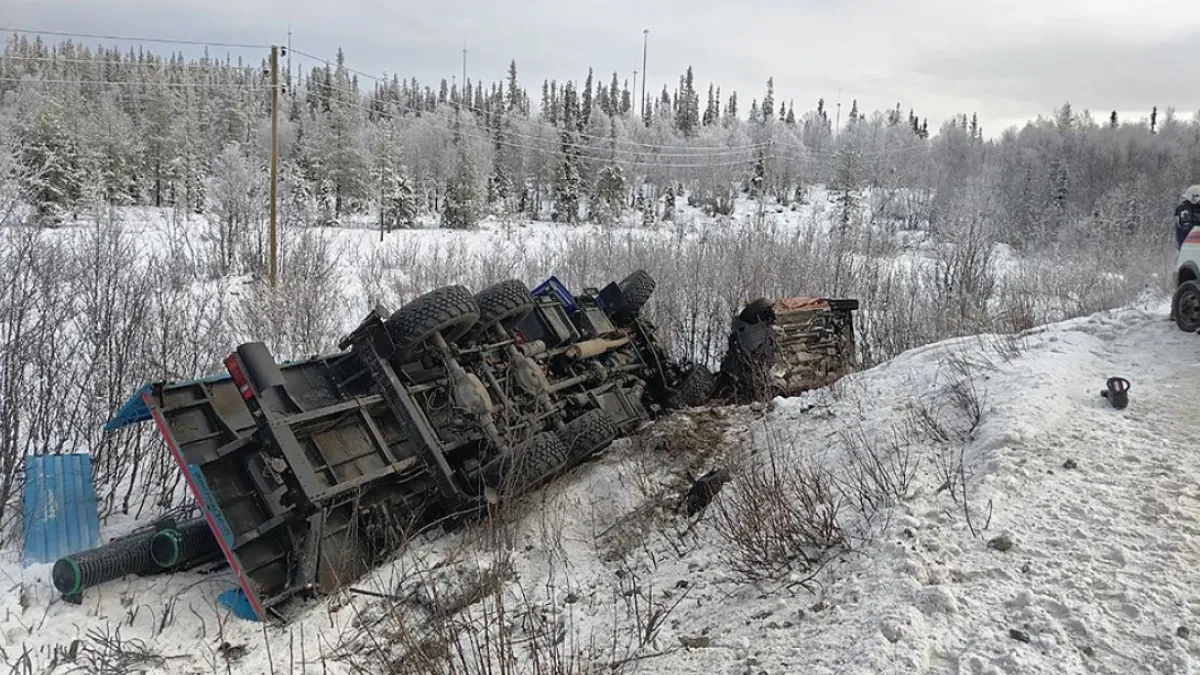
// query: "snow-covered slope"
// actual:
[[1099, 576]]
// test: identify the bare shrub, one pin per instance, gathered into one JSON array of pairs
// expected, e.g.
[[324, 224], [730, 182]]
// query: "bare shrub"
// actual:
[[778, 515], [949, 418], [106, 653], [465, 613], [304, 314], [876, 472]]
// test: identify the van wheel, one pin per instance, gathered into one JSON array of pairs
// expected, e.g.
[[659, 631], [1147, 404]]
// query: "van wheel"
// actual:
[[1185, 307]]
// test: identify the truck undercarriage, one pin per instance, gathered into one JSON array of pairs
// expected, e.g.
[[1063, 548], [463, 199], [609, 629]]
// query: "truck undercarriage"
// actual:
[[312, 473]]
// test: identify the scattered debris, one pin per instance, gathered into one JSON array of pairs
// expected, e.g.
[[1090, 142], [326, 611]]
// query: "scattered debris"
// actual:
[[1001, 543], [704, 489], [1117, 392], [231, 652]]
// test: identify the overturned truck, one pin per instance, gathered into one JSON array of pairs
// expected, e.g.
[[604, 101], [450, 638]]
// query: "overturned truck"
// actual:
[[312, 473]]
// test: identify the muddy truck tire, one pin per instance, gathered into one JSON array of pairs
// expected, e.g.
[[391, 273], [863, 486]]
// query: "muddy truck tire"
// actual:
[[527, 466], [694, 388], [449, 310], [636, 290], [587, 434], [505, 303]]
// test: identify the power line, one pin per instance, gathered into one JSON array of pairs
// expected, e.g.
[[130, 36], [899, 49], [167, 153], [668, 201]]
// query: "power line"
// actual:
[[105, 61], [327, 62], [93, 36], [236, 85]]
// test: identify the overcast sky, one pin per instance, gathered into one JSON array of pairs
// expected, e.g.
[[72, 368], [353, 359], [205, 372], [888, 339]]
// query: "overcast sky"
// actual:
[[1007, 60]]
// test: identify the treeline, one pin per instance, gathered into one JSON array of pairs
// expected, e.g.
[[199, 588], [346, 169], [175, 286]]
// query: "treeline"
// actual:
[[133, 127]]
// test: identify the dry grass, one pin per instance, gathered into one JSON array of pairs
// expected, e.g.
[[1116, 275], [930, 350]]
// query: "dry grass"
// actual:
[[779, 515]]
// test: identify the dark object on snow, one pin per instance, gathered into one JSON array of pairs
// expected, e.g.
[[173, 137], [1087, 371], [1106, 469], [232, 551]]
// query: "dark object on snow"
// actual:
[[787, 347], [92, 567], [137, 553], [1018, 635], [1070, 464], [172, 547], [231, 652], [704, 489], [1001, 543], [1117, 392]]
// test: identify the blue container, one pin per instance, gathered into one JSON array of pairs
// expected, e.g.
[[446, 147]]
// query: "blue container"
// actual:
[[61, 517], [553, 285]]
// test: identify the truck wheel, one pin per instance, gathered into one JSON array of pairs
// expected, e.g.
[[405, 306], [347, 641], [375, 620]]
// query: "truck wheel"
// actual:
[[588, 433], [505, 303], [526, 466], [636, 290], [758, 311], [694, 389], [449, 310], [1185, 306]]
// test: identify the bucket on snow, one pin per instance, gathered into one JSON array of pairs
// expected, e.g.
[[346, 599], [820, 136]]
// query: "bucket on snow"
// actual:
[[1117, 392]]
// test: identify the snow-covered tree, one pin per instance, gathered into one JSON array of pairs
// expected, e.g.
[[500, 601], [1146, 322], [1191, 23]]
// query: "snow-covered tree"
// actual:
[[397, 202], [233, 197], [567, 179], [462, 209]]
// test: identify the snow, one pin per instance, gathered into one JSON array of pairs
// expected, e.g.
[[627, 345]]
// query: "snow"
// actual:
[[1099, 578]]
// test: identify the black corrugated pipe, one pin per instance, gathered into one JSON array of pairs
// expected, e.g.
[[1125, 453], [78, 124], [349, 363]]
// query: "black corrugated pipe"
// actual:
[[131, 555], [177, 546]]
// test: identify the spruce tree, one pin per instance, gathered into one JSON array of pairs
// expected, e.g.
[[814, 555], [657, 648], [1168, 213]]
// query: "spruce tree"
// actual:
[[513, 94], [585, 107], [846, 185], [669, 204], [615, 103], [610, 186], [461, 210], [1112, 120], [768, 104], [710, 111], [567, 181], [397, 202]]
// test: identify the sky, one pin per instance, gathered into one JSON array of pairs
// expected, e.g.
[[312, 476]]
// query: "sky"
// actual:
[[1007, 61]]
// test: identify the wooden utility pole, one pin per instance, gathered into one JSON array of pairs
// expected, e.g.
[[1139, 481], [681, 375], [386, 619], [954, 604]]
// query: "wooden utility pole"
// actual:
[[274, 160]]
